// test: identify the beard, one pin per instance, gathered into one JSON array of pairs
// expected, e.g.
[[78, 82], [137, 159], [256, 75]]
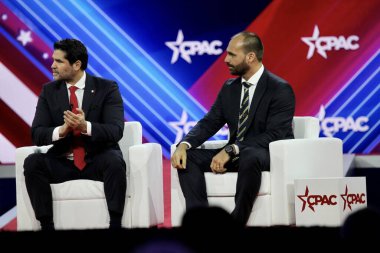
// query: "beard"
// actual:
[[238, 70], [63, 75]]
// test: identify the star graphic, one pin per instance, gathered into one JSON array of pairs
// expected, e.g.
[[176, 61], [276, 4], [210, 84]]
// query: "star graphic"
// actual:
[[4, 16], [301, 197], [175, 46], [45, 56], [178, 126], [344, 197], [25, 37], [310, 41]]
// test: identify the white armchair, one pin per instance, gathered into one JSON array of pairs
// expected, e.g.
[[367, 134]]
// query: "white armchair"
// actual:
[[81, 204], [306, 156]]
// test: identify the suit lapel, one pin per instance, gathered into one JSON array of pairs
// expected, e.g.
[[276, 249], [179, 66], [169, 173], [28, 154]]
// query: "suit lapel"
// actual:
[[89, 93], [62, 96], [235, 102], [259, 92]]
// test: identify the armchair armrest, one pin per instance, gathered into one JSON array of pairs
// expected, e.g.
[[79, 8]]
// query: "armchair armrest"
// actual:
[[132, 136], [206, 145], [296, 159], [146, 184], [21, 154], [214, 144], [24, 207]]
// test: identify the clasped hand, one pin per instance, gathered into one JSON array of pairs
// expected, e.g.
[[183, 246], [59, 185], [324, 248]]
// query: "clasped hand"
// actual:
[[73, 121]]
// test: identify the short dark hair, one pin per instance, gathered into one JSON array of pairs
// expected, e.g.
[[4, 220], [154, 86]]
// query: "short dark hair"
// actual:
[[74, 49], [252, 43]]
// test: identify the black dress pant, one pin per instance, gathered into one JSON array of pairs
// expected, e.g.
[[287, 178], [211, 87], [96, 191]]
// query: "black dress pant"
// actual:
[[251, 163], [41, 170]]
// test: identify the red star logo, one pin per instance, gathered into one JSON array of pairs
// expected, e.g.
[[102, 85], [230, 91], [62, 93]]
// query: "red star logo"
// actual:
[[304, 201], [344, 197]]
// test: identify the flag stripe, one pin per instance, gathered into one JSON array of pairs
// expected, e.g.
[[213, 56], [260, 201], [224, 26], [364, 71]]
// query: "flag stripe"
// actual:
[[8, 217], [20, 65], [13, 127], [24, 106], [7, 154]]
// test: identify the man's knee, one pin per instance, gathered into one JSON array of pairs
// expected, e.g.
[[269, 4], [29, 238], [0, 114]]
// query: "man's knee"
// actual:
[[257, 158], [191, 154], [33, 163], [199, 157], [114, 160]]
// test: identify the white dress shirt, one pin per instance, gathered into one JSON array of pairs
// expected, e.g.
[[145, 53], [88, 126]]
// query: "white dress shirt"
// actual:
[[253, 81], [79, 93], [253, 84]]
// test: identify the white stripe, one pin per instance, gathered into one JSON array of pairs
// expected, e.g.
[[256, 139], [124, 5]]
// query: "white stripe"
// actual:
[[117, 60], [39, 20], [352, 132], [353, 95], [49, 29], [365, 136], [148, 122], [240, 132], [17, 95], [369, 114], [147, 56], [244, 112], [94, 55], [8, 217], [8, 151], [366, 99], [352, 78]]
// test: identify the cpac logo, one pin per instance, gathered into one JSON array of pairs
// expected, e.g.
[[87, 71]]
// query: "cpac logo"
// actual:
[[185, 49], [330, 200], [328, 43], [314, 200], [352, 198], [332, 125], [183, 127]]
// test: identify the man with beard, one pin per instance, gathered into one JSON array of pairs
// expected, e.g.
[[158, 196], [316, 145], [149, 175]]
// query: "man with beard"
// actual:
[[83, 117], [258, 108]]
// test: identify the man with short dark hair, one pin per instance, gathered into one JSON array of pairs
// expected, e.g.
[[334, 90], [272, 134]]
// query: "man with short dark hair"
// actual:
[[258, 108], [83, 117]]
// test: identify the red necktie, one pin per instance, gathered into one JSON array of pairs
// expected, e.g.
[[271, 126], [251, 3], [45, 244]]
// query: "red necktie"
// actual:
[[78, 148]]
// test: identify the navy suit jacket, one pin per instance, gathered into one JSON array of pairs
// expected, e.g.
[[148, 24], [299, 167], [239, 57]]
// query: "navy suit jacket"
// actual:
[[102, 105], [270, 115]]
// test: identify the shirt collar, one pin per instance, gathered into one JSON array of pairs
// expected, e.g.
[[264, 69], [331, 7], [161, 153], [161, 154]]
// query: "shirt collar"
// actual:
[[81, 82], [255, 78]]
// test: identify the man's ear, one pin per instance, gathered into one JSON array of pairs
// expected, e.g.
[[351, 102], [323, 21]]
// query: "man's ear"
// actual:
[[251, 56], [77, 65]]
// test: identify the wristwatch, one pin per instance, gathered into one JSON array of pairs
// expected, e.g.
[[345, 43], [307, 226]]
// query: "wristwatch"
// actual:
[[230, 150]]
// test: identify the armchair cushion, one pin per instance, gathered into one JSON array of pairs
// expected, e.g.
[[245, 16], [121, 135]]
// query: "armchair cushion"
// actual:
[[225, 184]]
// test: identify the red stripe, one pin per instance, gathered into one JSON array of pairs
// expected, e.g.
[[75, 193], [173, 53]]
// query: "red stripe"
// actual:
[[13, 127], [317, 80], [11, 226], [281, 26], [20, 66], [14, 24]]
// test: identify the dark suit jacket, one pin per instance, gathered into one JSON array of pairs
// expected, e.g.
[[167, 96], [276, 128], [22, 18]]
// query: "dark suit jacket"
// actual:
[[270, 115], [102, 105]]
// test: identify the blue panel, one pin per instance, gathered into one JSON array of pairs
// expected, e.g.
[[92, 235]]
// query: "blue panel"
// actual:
[[357, 109]]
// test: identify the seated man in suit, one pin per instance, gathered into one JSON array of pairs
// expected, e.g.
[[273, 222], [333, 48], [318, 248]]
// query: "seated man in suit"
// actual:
[[258, 108], [83, 117]]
